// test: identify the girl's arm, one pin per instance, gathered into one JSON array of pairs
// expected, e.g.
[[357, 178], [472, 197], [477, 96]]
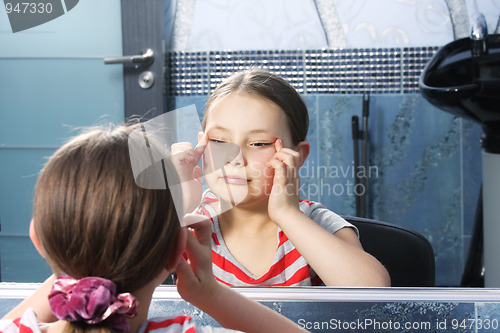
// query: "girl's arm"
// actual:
[[339, 258], [197, 285], [38, 301]]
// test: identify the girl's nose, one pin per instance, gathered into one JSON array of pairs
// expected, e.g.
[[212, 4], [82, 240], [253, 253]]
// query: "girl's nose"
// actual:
[[239, 160]]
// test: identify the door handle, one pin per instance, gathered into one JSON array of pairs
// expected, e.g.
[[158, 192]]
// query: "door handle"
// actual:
[[145, 59]]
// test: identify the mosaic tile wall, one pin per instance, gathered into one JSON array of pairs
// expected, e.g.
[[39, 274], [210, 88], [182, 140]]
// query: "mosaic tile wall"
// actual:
[[342, 316], [425, 164], [338, 71], [345, 316]]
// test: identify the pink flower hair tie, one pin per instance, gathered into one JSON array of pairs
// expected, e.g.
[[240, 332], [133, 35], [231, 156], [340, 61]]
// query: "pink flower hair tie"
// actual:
[[92, 300]]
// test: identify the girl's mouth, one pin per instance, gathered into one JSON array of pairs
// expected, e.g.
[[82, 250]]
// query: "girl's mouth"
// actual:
[[234, 180]]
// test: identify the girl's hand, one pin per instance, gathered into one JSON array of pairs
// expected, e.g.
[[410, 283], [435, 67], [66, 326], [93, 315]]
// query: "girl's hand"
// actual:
[[197, 285], [195, 281], [185, 159], [284, 195]]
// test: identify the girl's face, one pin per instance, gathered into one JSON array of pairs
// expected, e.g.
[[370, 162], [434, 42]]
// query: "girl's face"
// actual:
[[252, 124]]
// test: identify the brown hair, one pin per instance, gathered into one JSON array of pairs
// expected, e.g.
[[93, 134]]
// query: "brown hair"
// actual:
[[93, 220], [274, 89]]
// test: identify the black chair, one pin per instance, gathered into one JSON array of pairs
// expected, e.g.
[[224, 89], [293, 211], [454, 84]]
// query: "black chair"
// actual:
[[407, 255]]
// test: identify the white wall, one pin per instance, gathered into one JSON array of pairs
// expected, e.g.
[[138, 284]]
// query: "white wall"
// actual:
[[295, 24]]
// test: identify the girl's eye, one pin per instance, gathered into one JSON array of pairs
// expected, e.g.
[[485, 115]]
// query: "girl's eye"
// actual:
[[217, 141], [261, 144]]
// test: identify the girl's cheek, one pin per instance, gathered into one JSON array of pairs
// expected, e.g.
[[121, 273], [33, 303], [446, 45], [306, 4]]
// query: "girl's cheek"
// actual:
[[260, 161], [264, 155], [261, 170], [268, 172]]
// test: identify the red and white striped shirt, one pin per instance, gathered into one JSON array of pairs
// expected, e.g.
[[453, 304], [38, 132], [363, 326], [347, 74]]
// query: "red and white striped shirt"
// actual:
[[178, 324], [289, 267]]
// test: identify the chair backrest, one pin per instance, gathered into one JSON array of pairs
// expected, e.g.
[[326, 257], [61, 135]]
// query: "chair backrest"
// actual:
[[407, 255]]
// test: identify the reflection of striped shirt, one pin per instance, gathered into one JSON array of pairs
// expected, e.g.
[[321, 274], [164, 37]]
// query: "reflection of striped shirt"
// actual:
[[289, 268], [180, 324], [28, 323]]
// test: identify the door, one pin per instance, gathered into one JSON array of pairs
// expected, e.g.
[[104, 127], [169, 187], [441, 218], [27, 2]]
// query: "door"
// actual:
[[142, 60]]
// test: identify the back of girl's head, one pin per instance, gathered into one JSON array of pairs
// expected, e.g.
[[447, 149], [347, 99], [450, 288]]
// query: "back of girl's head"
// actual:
[[272, 88], [93, 220]]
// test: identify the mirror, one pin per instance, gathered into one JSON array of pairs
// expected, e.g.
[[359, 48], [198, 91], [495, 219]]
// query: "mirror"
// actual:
[[345, 52], [423, 166]]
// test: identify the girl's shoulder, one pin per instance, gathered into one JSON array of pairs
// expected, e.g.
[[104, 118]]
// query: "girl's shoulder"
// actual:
[[323, 216], [208, 204], [309, 207]]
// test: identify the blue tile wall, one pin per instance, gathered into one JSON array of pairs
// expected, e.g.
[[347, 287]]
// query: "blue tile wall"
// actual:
[[425, 168]]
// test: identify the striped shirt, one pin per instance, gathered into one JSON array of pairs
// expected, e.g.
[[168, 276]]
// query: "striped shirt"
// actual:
[[28, 323], [289, 267], [178, 324]]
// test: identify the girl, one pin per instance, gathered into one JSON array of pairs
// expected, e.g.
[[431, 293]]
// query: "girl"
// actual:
[[110, 243], [262, 233]]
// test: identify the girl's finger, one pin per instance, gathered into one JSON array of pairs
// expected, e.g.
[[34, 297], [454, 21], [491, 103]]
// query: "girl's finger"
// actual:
[[193, 252], [276, 163], [184, 271], [199, 255], [200, 147], [197, 172], [191, 218], [201, 227], [289, 151], [279, 180], [193, 246], [289, 157], [180, 147], [278, 145], [284, 166], [280, 169]]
